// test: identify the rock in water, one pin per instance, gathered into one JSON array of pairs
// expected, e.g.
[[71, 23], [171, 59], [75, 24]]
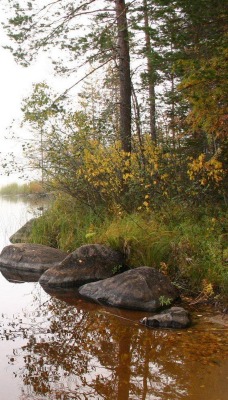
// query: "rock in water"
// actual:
[[88, 263], [31, 257], [141, 288], [22, 235], [175, 317]]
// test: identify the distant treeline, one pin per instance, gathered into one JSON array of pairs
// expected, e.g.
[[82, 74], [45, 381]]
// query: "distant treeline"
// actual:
[[23, 189]]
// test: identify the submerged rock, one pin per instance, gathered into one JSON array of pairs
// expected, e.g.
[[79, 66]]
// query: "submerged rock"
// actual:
[[88, 263], [174, 317], [22, 235], [30, 257], [138, 289]]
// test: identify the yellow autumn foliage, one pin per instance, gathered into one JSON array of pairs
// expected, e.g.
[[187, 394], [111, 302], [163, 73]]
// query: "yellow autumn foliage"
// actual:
[[125, 182], [206, 171]]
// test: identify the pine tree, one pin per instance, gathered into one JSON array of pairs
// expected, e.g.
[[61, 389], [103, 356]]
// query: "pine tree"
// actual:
[[66, 26]]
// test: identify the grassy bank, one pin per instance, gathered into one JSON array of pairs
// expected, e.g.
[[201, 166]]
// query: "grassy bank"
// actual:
[[190, 245]]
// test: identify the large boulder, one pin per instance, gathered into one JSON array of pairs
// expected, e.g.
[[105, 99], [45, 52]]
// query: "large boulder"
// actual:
[[22, 235], [174, 317], [88, 263], [31, 257], [142, 288]]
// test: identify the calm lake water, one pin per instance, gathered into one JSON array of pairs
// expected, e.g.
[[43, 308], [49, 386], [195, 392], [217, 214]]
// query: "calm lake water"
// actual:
[[57, 346]]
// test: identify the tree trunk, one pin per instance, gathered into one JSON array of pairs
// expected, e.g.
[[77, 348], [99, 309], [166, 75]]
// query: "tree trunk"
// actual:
[[124, 75], [138, 126]]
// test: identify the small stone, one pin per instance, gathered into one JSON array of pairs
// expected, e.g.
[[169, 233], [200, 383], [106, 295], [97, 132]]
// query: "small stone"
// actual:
[[174, 317]]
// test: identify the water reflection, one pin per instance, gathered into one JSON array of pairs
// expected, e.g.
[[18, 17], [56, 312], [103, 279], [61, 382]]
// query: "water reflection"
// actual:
[[85, 351], [32, 200], [84, 357], [19, 276]]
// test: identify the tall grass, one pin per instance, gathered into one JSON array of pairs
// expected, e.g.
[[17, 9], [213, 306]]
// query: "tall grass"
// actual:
[[67, 224], [189, 245]]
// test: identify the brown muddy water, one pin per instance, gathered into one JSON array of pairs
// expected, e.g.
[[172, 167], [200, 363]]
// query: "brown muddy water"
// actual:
[[58, 346]]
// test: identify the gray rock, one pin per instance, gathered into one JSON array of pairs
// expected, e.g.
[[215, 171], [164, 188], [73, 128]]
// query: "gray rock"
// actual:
[[88, 263], [22, 235], [30, 257], [175, 317], [138, 289]]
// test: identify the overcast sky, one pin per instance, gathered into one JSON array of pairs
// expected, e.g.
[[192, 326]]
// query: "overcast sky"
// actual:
[[16, 84]]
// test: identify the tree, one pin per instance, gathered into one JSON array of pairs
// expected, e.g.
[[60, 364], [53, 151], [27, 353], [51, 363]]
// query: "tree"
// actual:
[[99, 101], [196, 33], [151, 73], [38, 112], [183, 51], [65, 26], [124, 75]]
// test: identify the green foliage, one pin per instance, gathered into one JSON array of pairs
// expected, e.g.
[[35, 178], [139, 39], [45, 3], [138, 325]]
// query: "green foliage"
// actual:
[[164, 301], [199, 254]]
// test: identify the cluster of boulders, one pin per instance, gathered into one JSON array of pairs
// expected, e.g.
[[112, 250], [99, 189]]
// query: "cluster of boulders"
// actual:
[[99, 273]]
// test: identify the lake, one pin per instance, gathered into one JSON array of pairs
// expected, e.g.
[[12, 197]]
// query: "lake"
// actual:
[[57, 346]]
